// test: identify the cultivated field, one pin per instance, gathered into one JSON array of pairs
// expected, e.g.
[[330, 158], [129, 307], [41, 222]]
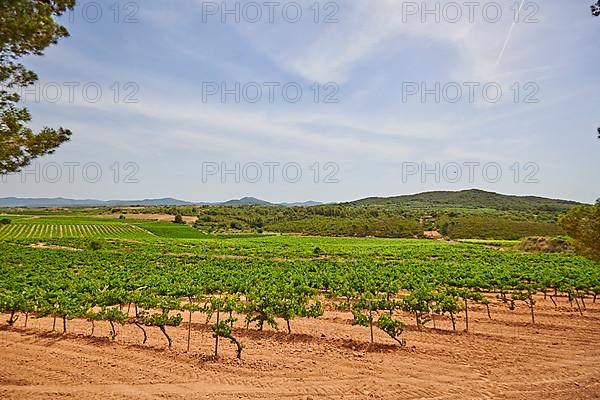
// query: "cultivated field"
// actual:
[[314, 318], [51, 231]]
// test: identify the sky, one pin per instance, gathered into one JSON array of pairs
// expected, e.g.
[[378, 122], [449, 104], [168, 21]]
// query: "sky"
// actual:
[[325, 101]]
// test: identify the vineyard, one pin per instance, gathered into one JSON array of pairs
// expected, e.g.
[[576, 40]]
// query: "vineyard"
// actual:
[[271, 281], [137, 285], [50, 231], [185, 236]]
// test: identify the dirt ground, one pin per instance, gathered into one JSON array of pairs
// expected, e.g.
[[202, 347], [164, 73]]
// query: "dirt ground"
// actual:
[[150, 217], [328, 358]]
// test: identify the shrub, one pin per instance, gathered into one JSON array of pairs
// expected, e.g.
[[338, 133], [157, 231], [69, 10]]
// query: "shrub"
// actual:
[[4, 221], [95, 245], [178, 219], [557, 244]]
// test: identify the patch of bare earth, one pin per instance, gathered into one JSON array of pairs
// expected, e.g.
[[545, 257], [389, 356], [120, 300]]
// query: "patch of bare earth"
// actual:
[[503, 358], [150, 217], [433, 235], [42, 245]]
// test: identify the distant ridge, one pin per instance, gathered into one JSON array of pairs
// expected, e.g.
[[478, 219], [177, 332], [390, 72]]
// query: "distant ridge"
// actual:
[[246, 201], [302, 204], [472, 198], [62, 202], [58, 202]]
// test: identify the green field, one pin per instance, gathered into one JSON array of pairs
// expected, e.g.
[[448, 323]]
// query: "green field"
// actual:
[[163, 267], [170, 230], [85, 226]]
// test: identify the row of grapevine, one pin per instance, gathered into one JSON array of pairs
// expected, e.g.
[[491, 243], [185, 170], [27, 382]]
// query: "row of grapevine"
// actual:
[[148, 289], [50, 231]]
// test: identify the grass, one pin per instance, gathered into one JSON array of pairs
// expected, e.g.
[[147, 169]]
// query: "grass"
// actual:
[[496, 243]]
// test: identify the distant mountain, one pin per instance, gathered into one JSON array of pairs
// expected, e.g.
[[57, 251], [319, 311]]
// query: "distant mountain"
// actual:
[[62, 202], [473, 198], [246, 201], [301, 204], [253, 201], [167, 201]]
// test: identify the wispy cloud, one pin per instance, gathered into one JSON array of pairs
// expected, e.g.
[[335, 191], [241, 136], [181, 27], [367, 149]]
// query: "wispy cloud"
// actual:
[[369, 53]]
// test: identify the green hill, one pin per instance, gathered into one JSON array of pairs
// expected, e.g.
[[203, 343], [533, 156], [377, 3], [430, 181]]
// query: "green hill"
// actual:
[[467, 214], [473, 198]]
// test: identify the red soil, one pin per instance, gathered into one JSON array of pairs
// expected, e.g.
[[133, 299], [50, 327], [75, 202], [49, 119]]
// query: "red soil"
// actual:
[[328, 358]]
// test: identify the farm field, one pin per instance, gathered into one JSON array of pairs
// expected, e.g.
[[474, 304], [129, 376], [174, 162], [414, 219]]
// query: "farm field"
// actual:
[[50, 231], [295, 317], [303, 201]]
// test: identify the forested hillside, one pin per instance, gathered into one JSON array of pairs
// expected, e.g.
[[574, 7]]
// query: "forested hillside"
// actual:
[[472, 199], [456, 215]]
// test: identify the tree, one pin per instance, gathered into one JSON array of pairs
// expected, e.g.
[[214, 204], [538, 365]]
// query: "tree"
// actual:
[[178, 219], [27, 27], [583, 225], [596, 11]]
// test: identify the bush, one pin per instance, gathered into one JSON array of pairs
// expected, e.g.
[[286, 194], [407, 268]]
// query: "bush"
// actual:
[[4, 221], [557, 244], [178, 219], [95, 245], [122, 216]]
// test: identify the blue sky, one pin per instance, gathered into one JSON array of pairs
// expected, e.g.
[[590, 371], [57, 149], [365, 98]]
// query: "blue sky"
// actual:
[[376, 139]]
